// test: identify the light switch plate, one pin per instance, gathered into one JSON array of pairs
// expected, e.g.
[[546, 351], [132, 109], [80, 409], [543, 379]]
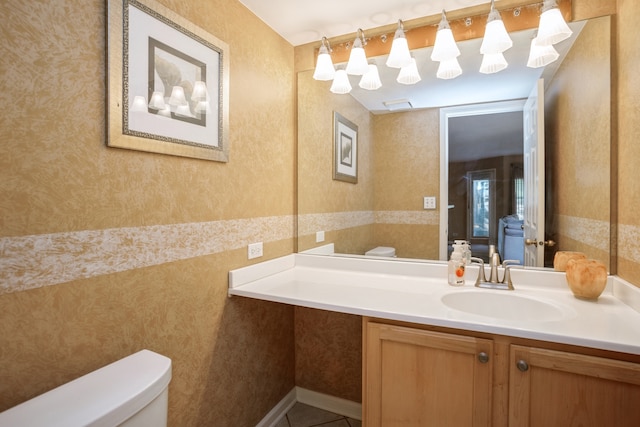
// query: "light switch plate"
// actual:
[[430, 202]]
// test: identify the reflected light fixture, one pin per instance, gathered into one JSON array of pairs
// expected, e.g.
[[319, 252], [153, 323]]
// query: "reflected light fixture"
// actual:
[[341, 84], [177, 97], [449, 69], [358, 64], [492, 63], [371, 79], [540, 56], [399, 56], [157, 101], [139, 104], [199, 91], [552, 28], [324, 65], [496, 39], [445, 46], [409, 75]]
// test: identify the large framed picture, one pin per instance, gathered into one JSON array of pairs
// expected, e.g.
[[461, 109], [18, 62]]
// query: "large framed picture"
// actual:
[[345, 149], [168, 83]]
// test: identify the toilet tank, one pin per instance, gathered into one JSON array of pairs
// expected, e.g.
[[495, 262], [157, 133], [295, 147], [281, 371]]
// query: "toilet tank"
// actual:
[[131, 392]]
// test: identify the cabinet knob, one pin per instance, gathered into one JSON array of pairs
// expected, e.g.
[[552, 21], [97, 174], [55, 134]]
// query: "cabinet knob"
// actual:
[[522, 365], [483, 357]]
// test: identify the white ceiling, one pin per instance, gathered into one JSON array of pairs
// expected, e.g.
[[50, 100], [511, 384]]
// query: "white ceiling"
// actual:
[[305, 21]]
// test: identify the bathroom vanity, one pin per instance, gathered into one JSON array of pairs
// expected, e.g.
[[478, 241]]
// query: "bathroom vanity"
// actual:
[[440, 355]]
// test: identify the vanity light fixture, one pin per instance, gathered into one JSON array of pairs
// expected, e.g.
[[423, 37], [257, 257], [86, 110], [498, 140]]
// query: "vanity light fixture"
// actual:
[[496, 39], [341, 84], [324, 65], [371, 79], [540, 56], [449, 69], [445, 46], [552, 28], [399, 56], [358, 64], [492, 63], [409, 75]]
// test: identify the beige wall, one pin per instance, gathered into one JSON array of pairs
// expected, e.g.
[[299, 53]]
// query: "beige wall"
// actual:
[[407, 165], [326, 204], [105, 251], [578, 132], [628, 133]]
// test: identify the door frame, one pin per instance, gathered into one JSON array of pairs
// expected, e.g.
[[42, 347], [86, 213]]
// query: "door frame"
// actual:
[[445, 114]]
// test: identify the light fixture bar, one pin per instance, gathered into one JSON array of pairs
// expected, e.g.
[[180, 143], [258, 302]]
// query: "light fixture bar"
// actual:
[[465, 24]]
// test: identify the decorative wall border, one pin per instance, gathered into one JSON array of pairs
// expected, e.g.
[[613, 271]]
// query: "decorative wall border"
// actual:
[[29, 262]]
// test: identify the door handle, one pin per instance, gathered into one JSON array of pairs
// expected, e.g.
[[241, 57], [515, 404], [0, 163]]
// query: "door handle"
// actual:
[[535, 242]]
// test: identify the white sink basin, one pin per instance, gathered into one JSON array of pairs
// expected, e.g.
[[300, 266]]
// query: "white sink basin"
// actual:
[[505, 305]]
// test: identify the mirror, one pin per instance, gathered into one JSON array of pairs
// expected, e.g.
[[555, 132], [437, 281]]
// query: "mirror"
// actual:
[[399, 156]]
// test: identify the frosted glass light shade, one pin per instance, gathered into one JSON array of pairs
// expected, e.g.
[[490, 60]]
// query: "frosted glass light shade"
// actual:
[[449, 69], [139, 104], [553, 28], [540, 56], [324, 65], [496, 39], [492, 63], [399, 56], [357, 64], [409, 75], [341, 84], [157, 101], [177, 97], [371, 79], [445, 46]]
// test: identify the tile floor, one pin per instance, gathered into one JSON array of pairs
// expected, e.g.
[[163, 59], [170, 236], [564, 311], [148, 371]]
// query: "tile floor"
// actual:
[[302, 415]]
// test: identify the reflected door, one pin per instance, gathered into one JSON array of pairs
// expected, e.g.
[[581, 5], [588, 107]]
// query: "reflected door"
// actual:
[[533, 128]]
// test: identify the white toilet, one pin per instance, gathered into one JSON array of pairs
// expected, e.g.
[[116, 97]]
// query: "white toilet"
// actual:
[[132, 392], [384, 251]]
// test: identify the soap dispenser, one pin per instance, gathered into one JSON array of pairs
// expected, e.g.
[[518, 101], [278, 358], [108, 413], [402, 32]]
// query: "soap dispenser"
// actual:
[[456, 266]]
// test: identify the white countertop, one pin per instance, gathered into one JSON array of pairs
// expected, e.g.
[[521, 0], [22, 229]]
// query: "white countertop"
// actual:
[[412, 291]]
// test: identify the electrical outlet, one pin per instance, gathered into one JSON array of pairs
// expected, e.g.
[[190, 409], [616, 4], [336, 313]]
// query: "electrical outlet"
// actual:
[[255, 250], [319, 236], [429, 203]]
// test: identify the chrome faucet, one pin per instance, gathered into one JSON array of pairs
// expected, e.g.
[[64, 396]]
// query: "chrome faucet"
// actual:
[[494, 282]]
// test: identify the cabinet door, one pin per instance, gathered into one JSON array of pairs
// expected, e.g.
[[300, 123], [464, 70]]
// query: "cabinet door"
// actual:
[[423, 378], [551, 388]]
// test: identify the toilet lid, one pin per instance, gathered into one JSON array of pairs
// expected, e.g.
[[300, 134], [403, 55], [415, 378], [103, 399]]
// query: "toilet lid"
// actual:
[[381, 251]]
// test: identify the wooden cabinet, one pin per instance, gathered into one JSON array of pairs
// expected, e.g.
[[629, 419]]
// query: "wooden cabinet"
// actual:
[[414, 375], [550, 388]]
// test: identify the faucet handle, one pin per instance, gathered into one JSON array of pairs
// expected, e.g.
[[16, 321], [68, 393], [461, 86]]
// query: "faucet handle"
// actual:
[[507, 264], [482, 278]]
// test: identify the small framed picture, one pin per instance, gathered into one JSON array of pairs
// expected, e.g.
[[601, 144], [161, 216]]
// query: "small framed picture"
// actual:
[[168, 83], [345, 149]]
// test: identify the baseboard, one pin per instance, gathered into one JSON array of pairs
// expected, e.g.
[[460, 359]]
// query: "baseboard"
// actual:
[[279, 411], [329, 403]]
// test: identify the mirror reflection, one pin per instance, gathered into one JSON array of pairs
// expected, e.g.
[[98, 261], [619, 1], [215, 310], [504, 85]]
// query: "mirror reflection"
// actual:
[[469, 157]]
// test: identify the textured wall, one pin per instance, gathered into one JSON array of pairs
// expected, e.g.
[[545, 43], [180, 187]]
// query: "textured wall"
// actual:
[[407, 165], [628, 135], [107, 251], [579, 135], [323, 201]]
